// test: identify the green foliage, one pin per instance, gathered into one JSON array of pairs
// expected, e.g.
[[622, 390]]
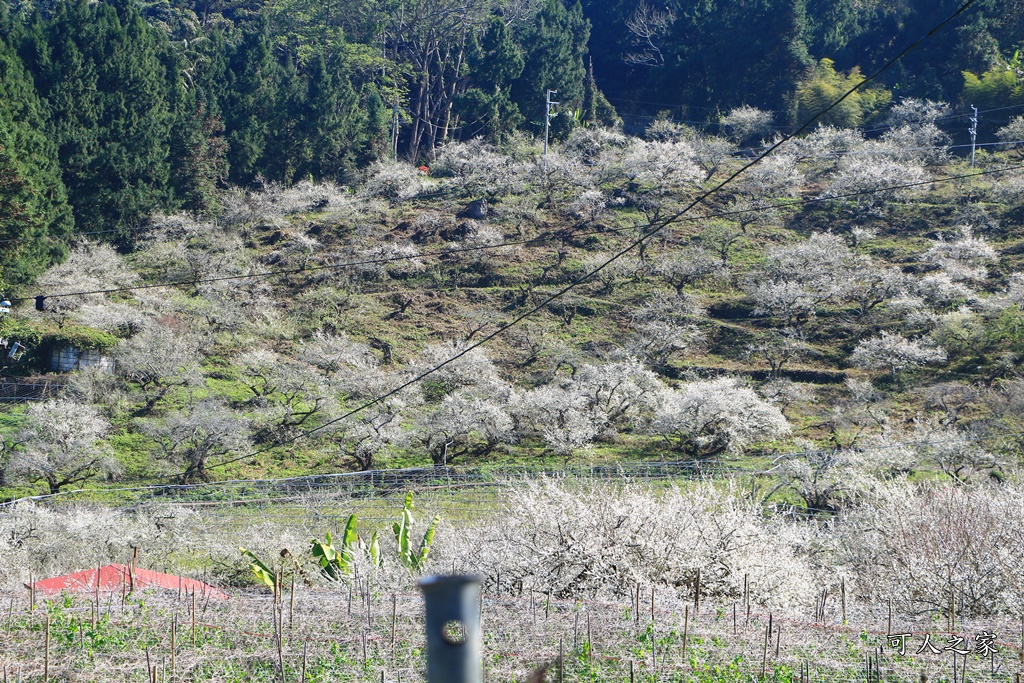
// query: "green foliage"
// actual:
[[824, 85], [495, 62], [413, 557], [265, 574], [103, 71], [553, 45], [80, 337], [999, 86], [34, 213], [336, 563]]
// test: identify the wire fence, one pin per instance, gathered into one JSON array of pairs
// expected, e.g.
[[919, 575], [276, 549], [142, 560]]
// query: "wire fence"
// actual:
[[19, 392], [377, 484]]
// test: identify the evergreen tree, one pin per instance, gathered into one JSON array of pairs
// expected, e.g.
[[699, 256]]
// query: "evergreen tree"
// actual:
[[253, 78], [495, 61], [337, 127], [33, 202], [286, 147], [199, 154], [554, 46], [103, 72], [597, 110]]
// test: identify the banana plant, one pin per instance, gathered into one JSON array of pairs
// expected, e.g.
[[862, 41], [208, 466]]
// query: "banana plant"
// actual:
[[264, 573], [375, 555], [335, 563], [413, 558]]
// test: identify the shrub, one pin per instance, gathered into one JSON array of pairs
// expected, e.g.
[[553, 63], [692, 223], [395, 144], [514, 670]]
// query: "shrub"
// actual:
[[394, 181], [926, 544], [579, 539]]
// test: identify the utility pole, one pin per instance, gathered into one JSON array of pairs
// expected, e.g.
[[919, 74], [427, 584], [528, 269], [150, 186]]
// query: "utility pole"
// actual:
[[974, 131], [547, 118]]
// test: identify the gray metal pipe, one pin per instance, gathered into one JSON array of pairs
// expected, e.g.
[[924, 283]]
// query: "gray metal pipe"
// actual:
[[454, 639]]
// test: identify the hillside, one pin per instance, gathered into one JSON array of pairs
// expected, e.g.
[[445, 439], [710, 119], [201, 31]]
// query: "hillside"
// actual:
[[848, 304]]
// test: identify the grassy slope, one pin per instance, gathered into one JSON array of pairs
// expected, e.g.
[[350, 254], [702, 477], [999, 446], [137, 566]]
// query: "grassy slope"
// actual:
[[442, 300]]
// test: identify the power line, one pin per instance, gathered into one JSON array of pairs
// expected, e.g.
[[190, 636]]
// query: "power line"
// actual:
[[657, 226]]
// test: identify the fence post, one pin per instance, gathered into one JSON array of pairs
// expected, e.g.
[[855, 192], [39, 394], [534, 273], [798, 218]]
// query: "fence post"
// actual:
[[454, 640]]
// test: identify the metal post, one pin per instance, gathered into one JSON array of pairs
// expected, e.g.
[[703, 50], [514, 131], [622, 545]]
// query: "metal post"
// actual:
[[974, 131], [547, 118], [454, 639]]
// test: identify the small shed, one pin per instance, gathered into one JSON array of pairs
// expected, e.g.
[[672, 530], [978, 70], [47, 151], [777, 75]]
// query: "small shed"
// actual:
[[118, 578], [68, 358]]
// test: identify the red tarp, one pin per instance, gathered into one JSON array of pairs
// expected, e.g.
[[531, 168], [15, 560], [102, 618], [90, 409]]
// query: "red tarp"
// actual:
[[118, 577]]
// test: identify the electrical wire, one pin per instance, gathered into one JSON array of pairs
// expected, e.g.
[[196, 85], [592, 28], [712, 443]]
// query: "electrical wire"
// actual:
[[656, 227]]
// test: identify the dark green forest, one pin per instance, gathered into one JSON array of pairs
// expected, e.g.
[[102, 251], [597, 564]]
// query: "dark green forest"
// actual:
[[113, 110]]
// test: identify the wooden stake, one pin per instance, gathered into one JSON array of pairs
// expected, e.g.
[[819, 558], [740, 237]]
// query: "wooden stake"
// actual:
[[654, 655], [394, 618], [291, 608], [734, 617], [193, 617], [590, 639], [686, 628], [46, 656], [764, 651], [746, 599], [278, 617], [302, 678], [174, 643], [778, 640], [31, 593], [842, 593], [696, 594], [369, 605], [636, 613], [364, 648], [952, 625], [561, 662], [652, 605]]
